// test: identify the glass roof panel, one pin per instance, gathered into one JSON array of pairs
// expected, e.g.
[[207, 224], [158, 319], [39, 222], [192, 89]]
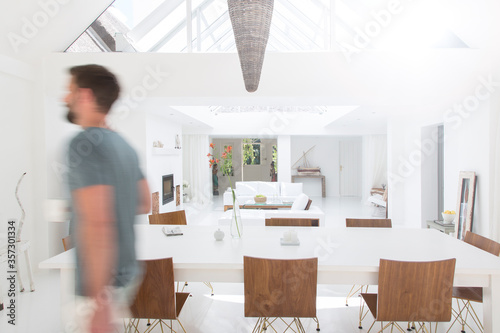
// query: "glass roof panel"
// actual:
[[297, 25]]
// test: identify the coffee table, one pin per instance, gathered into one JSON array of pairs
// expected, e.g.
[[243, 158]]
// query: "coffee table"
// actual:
[[266, 205]]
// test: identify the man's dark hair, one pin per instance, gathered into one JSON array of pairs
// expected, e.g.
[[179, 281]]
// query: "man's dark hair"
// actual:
[[101, 81]]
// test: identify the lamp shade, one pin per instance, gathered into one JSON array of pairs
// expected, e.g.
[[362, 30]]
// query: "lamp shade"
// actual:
[[251, 21]]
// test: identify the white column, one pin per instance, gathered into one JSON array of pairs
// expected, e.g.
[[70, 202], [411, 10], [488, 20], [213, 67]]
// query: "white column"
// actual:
[[284, 158]]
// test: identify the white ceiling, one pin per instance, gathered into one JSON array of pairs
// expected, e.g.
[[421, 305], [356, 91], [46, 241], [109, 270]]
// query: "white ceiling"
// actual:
[[417, 26]]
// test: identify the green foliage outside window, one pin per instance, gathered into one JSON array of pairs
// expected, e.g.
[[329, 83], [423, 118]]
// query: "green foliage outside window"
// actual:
[[275, 157], [251, 151]]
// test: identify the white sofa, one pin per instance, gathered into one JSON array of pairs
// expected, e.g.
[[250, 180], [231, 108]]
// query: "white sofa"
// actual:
[[245, 191]]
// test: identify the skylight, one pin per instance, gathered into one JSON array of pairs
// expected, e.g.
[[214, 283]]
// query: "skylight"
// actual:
[[297, 25]]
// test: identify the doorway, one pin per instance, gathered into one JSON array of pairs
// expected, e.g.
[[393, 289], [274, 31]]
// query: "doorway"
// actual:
[[259, 159], [350, 168]]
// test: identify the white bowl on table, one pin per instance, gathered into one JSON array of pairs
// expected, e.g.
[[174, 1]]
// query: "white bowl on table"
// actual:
[[448, 218]]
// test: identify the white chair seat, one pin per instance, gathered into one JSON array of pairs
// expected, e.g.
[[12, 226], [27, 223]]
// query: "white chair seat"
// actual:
[[378, 200]]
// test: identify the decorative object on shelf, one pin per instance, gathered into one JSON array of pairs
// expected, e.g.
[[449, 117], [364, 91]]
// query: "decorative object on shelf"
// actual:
[[177, 142], [158, 144], [448, 216], [251, 21], [260, 198], [185, 190], [219, 235], [465, 203], [226, 164], [305, 168], [155, 197], [177, 195]]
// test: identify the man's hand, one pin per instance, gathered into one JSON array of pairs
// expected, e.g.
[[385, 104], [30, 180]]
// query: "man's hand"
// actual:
[[102, 319]]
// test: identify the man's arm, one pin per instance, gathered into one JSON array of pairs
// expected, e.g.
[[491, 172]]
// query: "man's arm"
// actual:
[[97, 236], [144, 199]]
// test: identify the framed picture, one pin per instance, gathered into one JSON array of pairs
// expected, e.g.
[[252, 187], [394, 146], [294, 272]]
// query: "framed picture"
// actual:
[[465, 203]]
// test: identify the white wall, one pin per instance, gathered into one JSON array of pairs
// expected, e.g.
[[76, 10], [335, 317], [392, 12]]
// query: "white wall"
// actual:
[[467, 146], [429, 175], [19, 154], [374, 168], [322, 79], [325, 155], [284, 159], [160, 128], [403, 169]]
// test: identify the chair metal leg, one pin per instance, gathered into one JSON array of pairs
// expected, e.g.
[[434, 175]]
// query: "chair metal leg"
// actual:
[[299, 326], [317, 323], [209, 285], [392, 324], [469, 311], [153, 325], [362, 312], [353, 292], [258, 326], [371, 326]]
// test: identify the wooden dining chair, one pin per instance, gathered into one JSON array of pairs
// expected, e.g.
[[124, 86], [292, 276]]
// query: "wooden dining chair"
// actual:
[[466, 295], [292, 222], [363, 223], [410, 291], [156, 298], [368, 223], [276, 289], [177, 217]]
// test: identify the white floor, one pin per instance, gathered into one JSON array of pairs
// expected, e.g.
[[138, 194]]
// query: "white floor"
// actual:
[[39, 311]]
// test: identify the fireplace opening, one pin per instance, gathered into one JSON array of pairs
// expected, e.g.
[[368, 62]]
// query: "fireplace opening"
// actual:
[[168, 188]]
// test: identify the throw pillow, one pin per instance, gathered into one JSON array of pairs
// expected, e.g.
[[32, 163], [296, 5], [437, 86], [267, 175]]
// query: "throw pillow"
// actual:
[[300, 203]]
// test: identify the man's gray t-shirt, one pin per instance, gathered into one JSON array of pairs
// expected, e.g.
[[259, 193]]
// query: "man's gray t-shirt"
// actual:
[[99, 156]]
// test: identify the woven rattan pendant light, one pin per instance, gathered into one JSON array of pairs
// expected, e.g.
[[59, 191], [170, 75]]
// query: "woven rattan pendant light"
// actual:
[[251, 20]]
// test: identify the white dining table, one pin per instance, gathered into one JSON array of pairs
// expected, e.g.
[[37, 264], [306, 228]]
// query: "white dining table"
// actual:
[[345, 256]]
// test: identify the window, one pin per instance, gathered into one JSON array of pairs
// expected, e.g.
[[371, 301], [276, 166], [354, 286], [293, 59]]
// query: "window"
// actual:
[[251, 151]]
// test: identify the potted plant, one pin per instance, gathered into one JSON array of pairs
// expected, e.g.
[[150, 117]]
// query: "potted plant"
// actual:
[[226, 161]]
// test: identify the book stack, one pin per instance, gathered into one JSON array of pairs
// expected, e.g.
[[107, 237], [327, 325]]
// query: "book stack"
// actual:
[[309, 171], [443, 223]]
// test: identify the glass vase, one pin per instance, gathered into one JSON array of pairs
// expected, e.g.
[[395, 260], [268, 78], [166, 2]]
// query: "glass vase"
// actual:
[[236, 228]]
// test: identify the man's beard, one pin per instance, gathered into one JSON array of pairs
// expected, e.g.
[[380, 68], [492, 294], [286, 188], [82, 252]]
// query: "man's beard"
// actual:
[[71, 116]]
